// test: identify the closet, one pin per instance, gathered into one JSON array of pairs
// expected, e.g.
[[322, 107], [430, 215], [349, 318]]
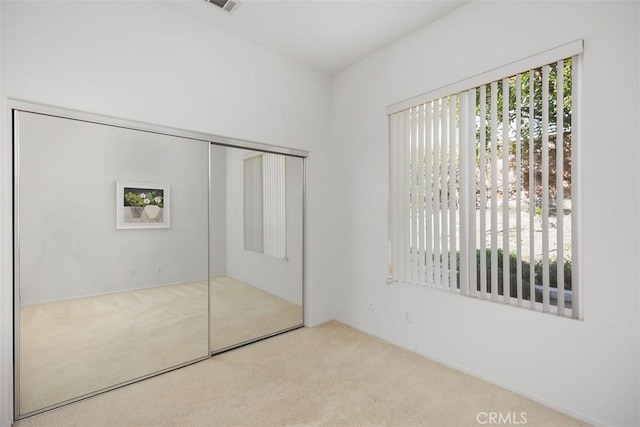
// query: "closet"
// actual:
[[140, 249]]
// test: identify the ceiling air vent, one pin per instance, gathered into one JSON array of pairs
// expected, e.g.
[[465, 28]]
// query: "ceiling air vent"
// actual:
[[227, 5]]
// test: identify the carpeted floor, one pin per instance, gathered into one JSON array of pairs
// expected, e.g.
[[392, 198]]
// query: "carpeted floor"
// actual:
[[241, 312], [328, 375], [75, 347]]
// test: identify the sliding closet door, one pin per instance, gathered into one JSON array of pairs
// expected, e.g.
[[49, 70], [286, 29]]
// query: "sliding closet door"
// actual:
[[111, 256], [257, 207]]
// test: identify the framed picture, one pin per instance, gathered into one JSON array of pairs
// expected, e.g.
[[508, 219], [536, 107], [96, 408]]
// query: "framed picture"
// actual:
[[142, 205]]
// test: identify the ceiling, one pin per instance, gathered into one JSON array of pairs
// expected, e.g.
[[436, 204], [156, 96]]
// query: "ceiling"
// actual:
[[328, 35]]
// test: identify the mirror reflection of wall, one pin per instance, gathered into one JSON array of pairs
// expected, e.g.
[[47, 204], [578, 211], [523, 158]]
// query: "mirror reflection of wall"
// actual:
[[256, 245], [99, 305]]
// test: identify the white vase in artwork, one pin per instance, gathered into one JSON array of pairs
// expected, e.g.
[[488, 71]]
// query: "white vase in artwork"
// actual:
[[152, 211]]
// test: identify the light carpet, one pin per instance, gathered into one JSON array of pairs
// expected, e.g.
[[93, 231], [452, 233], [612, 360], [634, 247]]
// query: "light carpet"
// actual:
[[241, 312], [74, 347], [327, 375]]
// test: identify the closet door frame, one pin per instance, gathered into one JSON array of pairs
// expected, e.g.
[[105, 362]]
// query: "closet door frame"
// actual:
[[17, 106]]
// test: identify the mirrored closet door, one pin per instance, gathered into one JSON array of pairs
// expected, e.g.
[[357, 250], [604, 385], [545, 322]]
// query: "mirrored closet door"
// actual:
[[111, 256], [256, 244], [139, 249]]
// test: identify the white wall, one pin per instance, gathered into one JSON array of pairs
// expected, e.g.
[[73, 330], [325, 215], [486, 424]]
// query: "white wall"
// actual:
[[69, 244], [587, 368], [278, 276], [143, 61]]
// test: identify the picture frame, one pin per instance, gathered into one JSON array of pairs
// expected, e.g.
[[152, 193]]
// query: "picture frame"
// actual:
[[142, 205]]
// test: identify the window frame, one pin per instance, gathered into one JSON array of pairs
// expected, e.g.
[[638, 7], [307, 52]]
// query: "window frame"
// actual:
[[569, 50]]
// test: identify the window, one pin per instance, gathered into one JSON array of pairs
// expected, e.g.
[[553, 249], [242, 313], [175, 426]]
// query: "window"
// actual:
[[265, 204], [482, 200]]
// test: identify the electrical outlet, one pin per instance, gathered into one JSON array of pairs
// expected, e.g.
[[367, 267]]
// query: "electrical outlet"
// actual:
[[371, 306], [407, 316], [132, 272]]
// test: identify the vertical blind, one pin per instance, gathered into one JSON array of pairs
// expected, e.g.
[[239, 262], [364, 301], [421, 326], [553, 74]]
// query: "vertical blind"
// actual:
[[481, 191], [265, 204], [274, 204], [253, 206]]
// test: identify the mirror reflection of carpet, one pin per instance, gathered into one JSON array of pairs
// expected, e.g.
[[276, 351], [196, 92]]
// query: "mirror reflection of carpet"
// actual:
[[80, 346]]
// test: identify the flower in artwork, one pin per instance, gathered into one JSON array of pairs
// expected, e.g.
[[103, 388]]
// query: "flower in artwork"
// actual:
[[147, 198]]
